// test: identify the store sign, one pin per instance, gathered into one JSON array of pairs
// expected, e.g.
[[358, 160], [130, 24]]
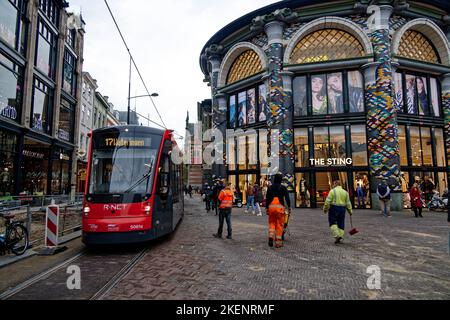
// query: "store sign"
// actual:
[[9, 112], [331, 162], [33, 154], [63, 135]]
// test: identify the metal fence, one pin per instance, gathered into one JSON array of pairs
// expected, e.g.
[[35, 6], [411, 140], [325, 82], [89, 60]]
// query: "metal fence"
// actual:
[[40, 202], [34, 218]]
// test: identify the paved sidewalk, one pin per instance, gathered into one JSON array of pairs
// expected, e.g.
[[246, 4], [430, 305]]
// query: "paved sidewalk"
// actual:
[[411, 253]]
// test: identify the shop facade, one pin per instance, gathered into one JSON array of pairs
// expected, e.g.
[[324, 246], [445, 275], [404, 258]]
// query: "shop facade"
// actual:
[[40, 64], [351, 100]]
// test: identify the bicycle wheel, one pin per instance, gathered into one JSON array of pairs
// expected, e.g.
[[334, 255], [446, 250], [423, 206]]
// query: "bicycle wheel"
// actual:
[[17, 239]]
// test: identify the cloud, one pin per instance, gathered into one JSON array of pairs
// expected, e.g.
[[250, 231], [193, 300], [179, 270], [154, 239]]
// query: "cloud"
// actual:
[[165, 38]]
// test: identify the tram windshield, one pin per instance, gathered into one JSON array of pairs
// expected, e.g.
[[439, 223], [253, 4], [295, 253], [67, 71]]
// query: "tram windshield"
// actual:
[[123, 162]]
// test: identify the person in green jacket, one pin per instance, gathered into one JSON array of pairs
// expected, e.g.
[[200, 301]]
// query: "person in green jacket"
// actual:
[[336, 205]]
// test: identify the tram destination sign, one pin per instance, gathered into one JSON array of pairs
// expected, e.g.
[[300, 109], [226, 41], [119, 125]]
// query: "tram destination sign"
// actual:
[[331, 162]]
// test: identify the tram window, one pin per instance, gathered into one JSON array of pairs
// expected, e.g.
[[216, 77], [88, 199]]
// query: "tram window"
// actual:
[[164, 177]]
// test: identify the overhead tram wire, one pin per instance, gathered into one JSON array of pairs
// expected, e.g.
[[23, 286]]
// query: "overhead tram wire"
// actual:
[[137, 69]]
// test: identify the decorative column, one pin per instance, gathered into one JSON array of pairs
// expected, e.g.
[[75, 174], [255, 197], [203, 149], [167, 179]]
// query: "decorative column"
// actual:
[[445, 83], [214, 56], [382, 124], [280, 101]]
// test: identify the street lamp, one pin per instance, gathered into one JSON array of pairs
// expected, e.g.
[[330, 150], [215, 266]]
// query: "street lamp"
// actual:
[[136, 97]]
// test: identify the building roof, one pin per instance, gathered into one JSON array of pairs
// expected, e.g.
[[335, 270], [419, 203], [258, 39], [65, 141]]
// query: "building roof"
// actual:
[[246, 20]]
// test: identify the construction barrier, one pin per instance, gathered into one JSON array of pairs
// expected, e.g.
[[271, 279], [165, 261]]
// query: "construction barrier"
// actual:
[[52, 226]]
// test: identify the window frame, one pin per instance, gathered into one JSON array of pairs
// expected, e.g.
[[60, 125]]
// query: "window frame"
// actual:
[[345, 96], [258, 107], [428, 77], [37, 84]]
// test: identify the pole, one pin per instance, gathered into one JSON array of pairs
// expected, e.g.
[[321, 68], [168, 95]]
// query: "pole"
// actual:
[[129, 94]]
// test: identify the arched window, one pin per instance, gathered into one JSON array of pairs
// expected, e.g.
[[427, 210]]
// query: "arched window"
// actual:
[[246, 65], [415, 45], [326, 45]]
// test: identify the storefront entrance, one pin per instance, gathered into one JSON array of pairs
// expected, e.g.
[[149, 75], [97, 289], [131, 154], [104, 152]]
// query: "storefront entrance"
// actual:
[[35, 167]]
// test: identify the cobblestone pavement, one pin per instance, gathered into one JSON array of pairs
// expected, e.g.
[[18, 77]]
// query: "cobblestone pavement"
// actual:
[[411, 253]]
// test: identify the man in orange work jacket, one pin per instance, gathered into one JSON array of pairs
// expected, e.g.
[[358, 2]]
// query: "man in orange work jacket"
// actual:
[[276, 202], [226, 204]]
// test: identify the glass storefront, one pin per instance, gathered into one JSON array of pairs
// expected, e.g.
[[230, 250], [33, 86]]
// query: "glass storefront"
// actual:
[[8, 156], [35, 167], [61, 168]]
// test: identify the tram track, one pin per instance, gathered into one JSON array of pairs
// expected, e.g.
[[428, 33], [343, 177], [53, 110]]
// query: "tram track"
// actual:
[[95, 282]]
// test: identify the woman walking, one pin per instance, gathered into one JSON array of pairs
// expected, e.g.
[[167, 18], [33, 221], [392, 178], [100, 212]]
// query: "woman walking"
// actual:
[[416, 200]]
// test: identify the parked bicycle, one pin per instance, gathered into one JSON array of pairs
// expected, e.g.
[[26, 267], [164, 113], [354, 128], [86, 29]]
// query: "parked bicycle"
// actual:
[[15, 239]]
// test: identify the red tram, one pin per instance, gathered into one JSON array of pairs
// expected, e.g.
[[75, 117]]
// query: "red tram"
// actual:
[[134, 192]]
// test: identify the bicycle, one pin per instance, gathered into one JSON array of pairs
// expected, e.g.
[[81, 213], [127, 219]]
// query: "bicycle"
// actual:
[[15, 239]]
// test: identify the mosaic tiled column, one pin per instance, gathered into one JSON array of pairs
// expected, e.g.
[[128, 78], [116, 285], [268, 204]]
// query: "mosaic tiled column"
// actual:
[[279, 118], [445, 83], [218, 169], [382, 125]]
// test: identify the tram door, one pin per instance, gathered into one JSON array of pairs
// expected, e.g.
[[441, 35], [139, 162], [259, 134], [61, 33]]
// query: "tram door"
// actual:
[[163, 213]]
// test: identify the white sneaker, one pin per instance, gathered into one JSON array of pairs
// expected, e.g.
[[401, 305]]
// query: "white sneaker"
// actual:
[[253, 212], [259, 214], [245, 211]]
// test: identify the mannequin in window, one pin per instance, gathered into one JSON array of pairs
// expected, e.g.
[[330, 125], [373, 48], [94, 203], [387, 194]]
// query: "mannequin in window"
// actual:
[[359, 185], [405, 188], [303, 192], [5, 178]]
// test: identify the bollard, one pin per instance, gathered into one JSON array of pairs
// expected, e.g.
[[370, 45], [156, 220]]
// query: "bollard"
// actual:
[[51, 231]]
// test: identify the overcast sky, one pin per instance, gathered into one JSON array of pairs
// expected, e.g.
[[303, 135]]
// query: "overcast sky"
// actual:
[[165, 38]]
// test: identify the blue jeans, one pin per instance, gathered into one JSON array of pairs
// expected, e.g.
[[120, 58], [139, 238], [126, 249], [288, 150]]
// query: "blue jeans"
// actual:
[[360, 193], [224, 214], [251, 200]]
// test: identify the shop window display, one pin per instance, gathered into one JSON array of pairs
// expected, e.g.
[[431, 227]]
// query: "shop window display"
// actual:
[[419, 96], [242, 109], [251, 106], [232, 112], [403, 145], [300, 97], [301, 148], [262, 103], [303, 190], [10, 90], [355, 91], [361, 195], [8, 155], [35, 167]]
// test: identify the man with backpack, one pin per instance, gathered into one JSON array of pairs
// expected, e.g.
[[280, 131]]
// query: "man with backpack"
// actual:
[[384, 194]]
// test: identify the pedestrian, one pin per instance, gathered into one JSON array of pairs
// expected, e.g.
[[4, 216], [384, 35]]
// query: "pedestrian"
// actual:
[[226, 205], [336, 205], [218, 187], [190, 191], [258, 198], [384, 194], [416, 200], [276, 202], [250, 198], [207, 198]]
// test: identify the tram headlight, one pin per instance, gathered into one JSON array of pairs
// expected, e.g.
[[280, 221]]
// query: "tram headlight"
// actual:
[[86, 211], [147, 210]]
